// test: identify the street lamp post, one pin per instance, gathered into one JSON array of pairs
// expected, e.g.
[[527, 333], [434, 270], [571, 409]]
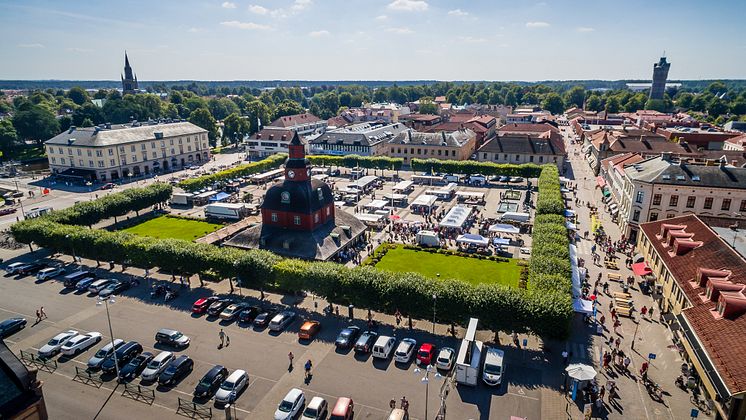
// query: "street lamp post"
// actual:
[[426, 380], [106, 302], [435, 297]]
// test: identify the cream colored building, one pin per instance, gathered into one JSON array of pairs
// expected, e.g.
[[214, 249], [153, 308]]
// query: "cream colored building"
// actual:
[[410, 144], [108, 153]]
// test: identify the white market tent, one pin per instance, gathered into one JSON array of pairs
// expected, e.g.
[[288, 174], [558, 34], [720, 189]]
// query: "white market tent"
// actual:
[[425, 200], [456, 217], [395, 197], [472, 239], [470, 194], [370, 217], [376, 205], [403, 186], [364, 182], [502, 228], [582, 306], [571, 226]]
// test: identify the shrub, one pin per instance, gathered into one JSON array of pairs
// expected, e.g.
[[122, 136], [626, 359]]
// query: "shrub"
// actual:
[[272, 162]]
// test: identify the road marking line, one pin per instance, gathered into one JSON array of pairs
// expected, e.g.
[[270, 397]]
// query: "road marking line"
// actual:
[[522, 396]]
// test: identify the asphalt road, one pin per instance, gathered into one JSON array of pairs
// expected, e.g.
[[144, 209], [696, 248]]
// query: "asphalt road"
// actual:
[[262, 354]]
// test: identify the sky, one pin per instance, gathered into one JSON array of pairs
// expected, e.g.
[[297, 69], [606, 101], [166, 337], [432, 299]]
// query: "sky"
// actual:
[[371, 39]]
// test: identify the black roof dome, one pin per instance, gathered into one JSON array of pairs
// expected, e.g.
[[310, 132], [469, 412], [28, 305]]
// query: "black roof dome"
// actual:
[[298, 197]]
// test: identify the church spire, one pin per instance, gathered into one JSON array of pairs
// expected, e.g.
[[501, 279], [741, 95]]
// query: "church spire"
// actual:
[[129, 81]]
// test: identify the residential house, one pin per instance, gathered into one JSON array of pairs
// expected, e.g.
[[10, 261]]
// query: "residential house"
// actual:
[[268, 141], [365, 139], [304, 124], [519, 148], [410, 144]]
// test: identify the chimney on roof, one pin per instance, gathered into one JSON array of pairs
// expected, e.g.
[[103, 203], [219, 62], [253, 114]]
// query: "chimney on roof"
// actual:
[[666, 227], [704, 274], [71, 129], [666, 156]]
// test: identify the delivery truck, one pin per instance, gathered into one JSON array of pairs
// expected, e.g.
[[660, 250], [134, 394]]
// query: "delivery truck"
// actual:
[[227, 211]]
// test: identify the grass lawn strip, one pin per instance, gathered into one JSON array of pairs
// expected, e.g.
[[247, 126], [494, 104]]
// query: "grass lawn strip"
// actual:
[[471, 270], [171, 227]]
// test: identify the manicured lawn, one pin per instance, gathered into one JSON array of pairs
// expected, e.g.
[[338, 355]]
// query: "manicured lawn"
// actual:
[[471, 270], [172, 227]]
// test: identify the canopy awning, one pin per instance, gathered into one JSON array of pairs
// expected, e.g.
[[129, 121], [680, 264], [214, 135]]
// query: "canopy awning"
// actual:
[[600, 181], [456, 217], [376, 204], [571, 226], [582, 306], [581, 372], [501, 241], [502, 228], [641, 269], [424, 200], [219, 197], [569, 213], [472, 239]]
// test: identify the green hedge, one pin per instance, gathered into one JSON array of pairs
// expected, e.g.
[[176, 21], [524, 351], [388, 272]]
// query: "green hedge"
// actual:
[[272, 162], [527, 170], [357, 161], [549, 200]]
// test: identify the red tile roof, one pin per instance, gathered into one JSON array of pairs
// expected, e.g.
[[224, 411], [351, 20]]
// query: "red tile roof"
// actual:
[[274, 134], [723, 338], [293, 120], [521, 128]]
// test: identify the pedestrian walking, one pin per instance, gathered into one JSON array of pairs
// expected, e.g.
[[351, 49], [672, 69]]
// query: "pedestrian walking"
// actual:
[[601, 393], [290, 358], [565, 357], [627, 361], [643, 311], [38, 316], [225, 341], [650, 312], [42, 313], [617, 342], [308, 367], [392, 404]]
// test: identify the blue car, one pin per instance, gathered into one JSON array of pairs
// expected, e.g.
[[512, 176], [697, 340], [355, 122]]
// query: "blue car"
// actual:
[[82, 286]]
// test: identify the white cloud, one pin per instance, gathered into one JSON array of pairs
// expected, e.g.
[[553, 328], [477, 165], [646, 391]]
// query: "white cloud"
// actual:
[[257, 9], [319, 34], [471, 39], [457, 12], [382, 17], [37, 45], [299, 5], [585, 29], [228, 5], [408, 5], [537, 24], [246, 25], [400, 31]]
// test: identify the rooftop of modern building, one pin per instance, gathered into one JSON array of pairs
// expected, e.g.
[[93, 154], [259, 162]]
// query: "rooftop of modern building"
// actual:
[[456, 138], [111, 135]]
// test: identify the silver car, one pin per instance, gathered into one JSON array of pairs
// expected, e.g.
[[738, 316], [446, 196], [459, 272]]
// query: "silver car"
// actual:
[[97, 359], [157, 365], [55, 344]]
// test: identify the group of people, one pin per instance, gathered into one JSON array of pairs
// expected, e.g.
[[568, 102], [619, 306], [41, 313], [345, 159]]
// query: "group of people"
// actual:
[[40, 314], [404, 404]]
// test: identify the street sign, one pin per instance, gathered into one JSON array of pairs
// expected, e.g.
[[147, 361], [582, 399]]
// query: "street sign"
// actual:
[[695, 413], [651, 356]]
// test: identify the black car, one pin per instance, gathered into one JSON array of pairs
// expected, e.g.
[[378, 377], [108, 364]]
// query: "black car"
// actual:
[[135, 366], [114, 288], [124, 354], [347, 337], [11, 326], [216, 308], [177, 369], [31, 268], [365, 343], [262, 320], [210, 383], [249, 314]]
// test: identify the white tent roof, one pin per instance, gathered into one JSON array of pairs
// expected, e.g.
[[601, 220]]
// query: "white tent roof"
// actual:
[[370, 217], [365, 181], [425, 200], [470, 194], [376, 204], [395, 196], [402, 185], [501, 228], [582, 306], [456, 217], [472, 239]]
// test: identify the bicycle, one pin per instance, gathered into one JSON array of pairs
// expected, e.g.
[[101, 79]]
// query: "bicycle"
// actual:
[[703, 404]]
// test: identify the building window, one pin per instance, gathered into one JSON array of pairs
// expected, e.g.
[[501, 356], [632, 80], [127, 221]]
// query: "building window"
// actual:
[[152, 145], [653, 216], [670, 216], [100, 163], [296, 220], [726, 204], [656, 199], [132, 148], [708, 203], [541, 159], [90, 163], [531, 158], [453, 153], [89, 153], [274, 217], [674, 201], [517, 158], [111, 162], [80, 153], [54, 160], [70, 152], [62, 161], [640, 196], [80, 162], [142, 146], [60, 149], [743, 206], [690, 201], [636, 215], [99, 153], [111, 152]]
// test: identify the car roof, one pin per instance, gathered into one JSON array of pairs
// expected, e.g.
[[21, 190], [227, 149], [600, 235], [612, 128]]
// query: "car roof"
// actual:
[[215, 370], [309, 324], [340, 407], [316, 403], [167, 331], [293, 394], [162, 355], [181, 359], [383, 339], [233, 377], [426, 346]]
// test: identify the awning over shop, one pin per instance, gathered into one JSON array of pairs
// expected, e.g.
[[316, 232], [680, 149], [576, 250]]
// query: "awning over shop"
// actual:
[[600, 181], [641, 269], [571, 226], [582, 306], [219, 197], [502, 228], [472, 239]]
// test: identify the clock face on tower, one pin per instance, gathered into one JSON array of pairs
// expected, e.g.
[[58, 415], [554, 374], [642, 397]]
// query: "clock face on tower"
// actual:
[[291, 174]]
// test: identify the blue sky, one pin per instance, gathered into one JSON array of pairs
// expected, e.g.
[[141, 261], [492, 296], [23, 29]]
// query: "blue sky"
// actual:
[[371, 39]]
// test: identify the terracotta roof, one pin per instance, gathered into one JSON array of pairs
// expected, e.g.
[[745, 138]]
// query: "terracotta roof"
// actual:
[[420, 117], [338, 121], [618, 161], [519, 128], [293, 120], [722, 338], [484, 120], [273, 134]]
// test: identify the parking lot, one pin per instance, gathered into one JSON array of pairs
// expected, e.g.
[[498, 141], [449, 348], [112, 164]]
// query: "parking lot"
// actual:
[[264, 355]]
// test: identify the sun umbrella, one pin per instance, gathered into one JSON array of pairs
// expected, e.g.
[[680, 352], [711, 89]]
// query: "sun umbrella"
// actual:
[[581, 372]]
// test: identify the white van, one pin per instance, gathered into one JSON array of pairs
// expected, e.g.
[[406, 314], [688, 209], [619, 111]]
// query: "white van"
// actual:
[[383, 347], [492, 370]]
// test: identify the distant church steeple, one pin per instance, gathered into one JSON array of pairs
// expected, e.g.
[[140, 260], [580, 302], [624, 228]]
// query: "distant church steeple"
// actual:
[[129, 80]]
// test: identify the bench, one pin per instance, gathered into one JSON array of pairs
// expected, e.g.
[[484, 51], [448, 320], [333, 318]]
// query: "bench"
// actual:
[[614, 276], [624, 311], [622, 295], [623, 301], [611, 265]]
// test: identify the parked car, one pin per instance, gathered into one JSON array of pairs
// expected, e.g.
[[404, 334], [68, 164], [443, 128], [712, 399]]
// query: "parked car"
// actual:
[[309, 329], [156, 366], [94, 363], [347, 337], [405, 350], [108, 186], [344, 409], [49, 272], [176, 370], [290, 405], [97, 286], [262, 320], [383, 347], [492, 370], [232, 386], [232, 311], [11, 326], [8, 210], [114, 288], [210, 383], [31, 268], [71, 280], [504, 178], [123, 355], [200, 305], [364, 344], [80, 343], [445, 358], [54, 345], [316, 409], [217, 307], [135, 366], [84, 283], [172, 338], [281, 320], [425, 354], [249, 314], [13, 268], [516, 179]]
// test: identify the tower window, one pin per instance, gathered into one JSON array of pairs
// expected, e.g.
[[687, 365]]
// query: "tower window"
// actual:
[[296, 220], [274, 217]]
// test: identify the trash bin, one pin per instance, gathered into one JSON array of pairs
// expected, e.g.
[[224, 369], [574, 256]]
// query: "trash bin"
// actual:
[[350, 314]]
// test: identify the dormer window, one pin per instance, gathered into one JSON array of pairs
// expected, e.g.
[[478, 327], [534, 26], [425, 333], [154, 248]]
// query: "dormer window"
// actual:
[[720, 307]]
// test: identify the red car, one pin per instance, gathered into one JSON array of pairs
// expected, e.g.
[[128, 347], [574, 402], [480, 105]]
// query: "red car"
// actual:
[[108, 186], [425, 354], [201, 305]]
